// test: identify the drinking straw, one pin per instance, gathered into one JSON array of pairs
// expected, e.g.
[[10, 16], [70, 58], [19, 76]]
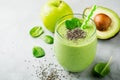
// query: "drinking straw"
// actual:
[[83, 26]]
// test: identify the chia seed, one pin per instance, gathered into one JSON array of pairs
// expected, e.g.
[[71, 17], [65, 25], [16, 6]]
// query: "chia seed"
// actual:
[[76, 34], [45, 70]]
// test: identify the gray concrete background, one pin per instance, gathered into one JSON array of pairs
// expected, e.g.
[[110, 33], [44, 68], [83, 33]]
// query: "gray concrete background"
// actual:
[[17, 17]]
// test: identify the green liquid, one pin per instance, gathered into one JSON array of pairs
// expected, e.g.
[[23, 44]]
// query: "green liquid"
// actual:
[[75, 55]]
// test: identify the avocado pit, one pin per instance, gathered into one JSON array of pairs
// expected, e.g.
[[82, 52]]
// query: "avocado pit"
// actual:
[[102, 21]]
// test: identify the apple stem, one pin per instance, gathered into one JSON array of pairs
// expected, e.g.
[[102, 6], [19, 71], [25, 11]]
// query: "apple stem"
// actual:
[[57, 3]]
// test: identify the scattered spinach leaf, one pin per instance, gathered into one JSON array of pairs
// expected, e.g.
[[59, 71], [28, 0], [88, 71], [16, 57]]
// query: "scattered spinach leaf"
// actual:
[[98, 70], [102, 69], [38, 52], [72, 23], [36, 31], [48, 39]]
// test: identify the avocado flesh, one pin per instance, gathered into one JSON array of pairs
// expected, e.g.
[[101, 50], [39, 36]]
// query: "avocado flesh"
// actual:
[[114, 26]]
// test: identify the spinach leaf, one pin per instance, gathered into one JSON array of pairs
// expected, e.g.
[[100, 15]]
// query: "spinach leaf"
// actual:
[[36, 31], [48, 39], [102, 69], [38, 52]]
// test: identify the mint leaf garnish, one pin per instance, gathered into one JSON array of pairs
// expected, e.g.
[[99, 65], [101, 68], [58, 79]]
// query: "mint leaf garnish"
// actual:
[[73, 23], [76, 22]]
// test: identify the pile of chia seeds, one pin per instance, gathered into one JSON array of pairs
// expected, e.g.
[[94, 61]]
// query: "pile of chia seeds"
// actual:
[[50, 71], [75, 34], [47, 68]]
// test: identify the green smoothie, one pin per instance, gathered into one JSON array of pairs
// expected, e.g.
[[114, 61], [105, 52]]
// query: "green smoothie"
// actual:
[[75, 55]]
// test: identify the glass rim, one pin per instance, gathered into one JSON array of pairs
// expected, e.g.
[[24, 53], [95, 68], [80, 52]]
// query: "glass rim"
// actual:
[[59, 20]]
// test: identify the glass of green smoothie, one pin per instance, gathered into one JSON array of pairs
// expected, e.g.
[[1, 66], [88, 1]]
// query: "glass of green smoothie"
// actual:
[[75, 48]]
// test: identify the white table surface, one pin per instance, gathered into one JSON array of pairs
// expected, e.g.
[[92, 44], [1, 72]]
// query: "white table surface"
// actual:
[[17, 17]]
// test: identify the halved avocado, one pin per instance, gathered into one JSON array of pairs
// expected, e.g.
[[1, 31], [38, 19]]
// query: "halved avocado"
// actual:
[[110, 22]]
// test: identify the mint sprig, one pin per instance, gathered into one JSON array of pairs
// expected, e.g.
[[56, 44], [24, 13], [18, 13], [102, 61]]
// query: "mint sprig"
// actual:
[[73, 23]]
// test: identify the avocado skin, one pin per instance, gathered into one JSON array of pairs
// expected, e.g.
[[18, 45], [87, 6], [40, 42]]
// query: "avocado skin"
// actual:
[[114, 27]]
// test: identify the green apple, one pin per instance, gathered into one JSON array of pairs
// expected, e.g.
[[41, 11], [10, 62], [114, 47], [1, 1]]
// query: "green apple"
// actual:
[[52, 11]]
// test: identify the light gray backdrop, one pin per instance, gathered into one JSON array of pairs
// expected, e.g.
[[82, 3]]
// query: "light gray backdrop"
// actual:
[[17, 17]]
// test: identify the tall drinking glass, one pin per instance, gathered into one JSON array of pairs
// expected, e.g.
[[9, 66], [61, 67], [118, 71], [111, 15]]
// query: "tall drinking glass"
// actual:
[[75, 55]]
